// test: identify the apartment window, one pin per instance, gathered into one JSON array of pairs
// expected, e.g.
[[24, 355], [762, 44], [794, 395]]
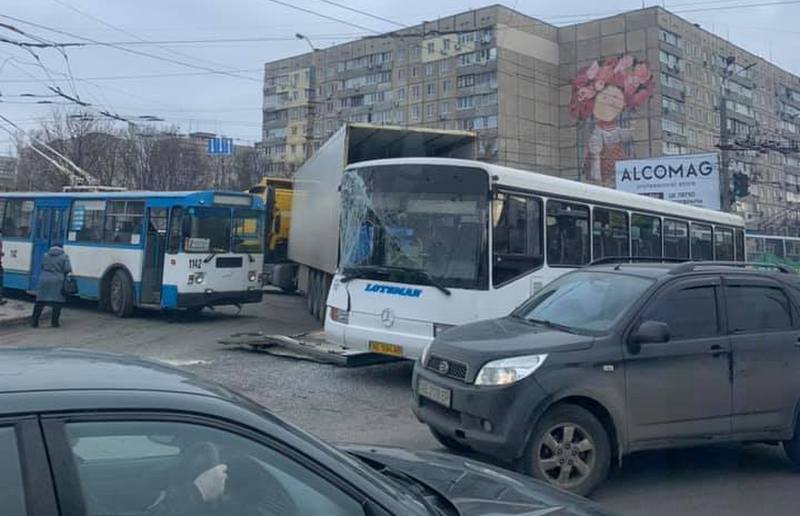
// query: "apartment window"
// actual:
[[414, 71], [399, 116], [401, 74], [465, 81], [444, 108], [671, 148], [465, 103], [736, 127], [416, 51], [431, 47], [672, 82], [430, 89], [787, 126], [672, 126], [400, 94], [671, 61], [415, 112], [444, 66], [429, 69], [740, 108], [445, 86], [670, 38], [735, 87], [673, 106], [429, 110], [446, 44], [415, 91], [466, 37]]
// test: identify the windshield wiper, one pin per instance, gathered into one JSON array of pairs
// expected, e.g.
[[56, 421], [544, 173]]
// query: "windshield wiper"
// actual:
[[551, 324], [425, 274], [210, 257], [414, 487]]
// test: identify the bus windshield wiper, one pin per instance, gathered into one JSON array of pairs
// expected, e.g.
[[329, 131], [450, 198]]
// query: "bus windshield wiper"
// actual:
[[423, 273], [210, 257], [551, 324]]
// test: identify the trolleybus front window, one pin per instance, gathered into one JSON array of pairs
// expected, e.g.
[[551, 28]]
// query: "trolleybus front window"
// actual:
[[206, 230]]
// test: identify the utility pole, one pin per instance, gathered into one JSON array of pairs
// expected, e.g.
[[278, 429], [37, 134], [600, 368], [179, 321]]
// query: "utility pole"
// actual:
[[724, 133]]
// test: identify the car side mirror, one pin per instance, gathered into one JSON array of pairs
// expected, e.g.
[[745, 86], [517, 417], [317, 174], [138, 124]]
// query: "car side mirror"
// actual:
[[648, 332]]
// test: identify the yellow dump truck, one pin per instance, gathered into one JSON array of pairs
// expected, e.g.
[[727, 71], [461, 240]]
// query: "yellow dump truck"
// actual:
[[276, 193]]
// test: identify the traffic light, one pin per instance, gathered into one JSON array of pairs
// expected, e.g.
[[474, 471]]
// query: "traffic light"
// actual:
[[741, 185]]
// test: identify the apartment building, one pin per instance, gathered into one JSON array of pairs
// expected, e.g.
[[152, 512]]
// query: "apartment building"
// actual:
[[568, 101]]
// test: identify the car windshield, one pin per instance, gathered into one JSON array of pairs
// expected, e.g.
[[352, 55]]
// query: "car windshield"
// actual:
[[584, 301], [425, 218], [206, 230]]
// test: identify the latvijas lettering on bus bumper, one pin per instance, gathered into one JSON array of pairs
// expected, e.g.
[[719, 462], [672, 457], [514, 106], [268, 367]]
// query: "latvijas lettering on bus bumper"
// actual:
[[394, 291]]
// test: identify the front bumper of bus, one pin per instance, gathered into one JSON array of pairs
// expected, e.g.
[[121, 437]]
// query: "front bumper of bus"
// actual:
[[213, 298], [365, 335]]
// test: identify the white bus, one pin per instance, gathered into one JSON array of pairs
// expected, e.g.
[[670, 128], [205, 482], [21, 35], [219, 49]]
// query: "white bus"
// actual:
[[430, 243], [128, 249]]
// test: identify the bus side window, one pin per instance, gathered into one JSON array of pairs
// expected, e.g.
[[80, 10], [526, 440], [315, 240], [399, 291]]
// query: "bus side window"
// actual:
[[175, 230], [517, 236], [723, 244], [645, 236], [739, 245], [610, 230], [676, 239], [567, 233], [702, 242]]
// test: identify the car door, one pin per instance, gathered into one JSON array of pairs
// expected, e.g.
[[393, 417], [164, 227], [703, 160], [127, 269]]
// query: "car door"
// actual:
[[213, 467], [25, 487], [766, 357], [680, 389]]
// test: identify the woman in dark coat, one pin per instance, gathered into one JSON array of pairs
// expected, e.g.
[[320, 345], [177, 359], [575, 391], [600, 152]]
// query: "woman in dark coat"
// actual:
[[55, 267]]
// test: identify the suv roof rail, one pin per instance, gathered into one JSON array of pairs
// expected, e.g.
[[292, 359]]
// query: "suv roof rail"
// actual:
[[634, 259], [691, 266]]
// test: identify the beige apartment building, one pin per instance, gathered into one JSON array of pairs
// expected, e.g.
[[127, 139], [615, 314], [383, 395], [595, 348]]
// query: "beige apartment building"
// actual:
[[568, 101]]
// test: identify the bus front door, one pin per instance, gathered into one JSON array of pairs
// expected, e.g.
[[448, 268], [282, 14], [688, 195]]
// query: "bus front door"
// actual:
[[155, 246], [49, 228]]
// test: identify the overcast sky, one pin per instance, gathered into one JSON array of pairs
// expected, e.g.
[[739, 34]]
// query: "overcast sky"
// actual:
[[194, 99]]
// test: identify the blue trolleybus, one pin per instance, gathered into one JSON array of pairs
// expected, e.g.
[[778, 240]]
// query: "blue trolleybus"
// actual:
[[158, 249]]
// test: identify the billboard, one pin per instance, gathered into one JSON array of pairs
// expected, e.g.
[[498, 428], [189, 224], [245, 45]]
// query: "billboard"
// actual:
[[687, 178]]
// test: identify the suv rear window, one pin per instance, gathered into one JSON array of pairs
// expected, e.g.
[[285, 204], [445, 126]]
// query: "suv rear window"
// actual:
[[753, 308]]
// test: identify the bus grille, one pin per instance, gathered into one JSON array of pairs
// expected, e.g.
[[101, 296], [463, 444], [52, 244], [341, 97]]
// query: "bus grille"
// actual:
[[451, 368]]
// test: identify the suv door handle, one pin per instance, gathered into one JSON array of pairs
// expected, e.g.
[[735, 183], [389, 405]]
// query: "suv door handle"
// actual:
[[717, 350]]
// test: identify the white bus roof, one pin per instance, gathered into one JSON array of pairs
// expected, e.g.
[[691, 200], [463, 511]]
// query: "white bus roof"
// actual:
[[556, 186]]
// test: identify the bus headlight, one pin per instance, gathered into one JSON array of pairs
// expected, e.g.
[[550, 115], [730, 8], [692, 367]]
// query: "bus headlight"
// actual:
[[198, 278], [339, 315], [509, 370], [252, 275]]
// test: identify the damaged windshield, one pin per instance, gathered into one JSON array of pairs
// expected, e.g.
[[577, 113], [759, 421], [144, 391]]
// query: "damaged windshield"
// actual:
[[429, 220]]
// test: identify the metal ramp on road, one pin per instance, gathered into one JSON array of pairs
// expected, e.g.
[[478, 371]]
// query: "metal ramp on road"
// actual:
[[306, 346]]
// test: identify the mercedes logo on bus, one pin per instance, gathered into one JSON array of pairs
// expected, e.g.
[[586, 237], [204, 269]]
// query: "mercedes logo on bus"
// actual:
[[387, 317], [444, 367]]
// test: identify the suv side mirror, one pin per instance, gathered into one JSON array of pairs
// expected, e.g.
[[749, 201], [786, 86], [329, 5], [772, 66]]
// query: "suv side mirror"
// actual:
[[648, 332]]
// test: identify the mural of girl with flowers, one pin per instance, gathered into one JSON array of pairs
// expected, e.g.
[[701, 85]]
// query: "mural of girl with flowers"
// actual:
[[601, 94]]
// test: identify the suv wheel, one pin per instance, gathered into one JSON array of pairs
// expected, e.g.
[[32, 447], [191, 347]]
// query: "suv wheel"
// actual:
[[570, 449], [792, 446], [449, 442]]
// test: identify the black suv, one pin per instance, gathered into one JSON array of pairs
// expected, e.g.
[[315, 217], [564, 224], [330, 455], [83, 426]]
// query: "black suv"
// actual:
[[612, 359]]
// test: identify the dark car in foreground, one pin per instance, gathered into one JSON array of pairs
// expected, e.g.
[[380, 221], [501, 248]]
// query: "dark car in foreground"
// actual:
[[612, 359], [91, 434]]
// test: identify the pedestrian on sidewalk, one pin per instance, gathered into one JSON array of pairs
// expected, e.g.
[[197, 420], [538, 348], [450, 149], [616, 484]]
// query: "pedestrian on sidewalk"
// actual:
[[50, 292], [2, 299]]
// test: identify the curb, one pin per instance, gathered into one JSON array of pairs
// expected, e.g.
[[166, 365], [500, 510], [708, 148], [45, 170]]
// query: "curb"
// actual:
[[15, 321]]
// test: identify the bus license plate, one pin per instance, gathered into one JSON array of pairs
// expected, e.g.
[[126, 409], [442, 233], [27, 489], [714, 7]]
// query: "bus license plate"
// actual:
[[434, 393], [384, 348]]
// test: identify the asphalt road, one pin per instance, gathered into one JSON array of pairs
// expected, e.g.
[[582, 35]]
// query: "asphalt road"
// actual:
[[372, 405]]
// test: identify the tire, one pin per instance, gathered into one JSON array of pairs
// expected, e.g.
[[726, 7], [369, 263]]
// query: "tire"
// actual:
[[449, 442], [120, 294], [792, 446], [324, 288], [551, 458], [310, 292], [314, 296]]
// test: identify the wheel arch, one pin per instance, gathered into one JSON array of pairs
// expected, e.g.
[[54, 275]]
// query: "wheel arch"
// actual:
[[105, 282]]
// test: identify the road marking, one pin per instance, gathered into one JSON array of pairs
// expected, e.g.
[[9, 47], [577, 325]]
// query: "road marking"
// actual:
[[182, 363]]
